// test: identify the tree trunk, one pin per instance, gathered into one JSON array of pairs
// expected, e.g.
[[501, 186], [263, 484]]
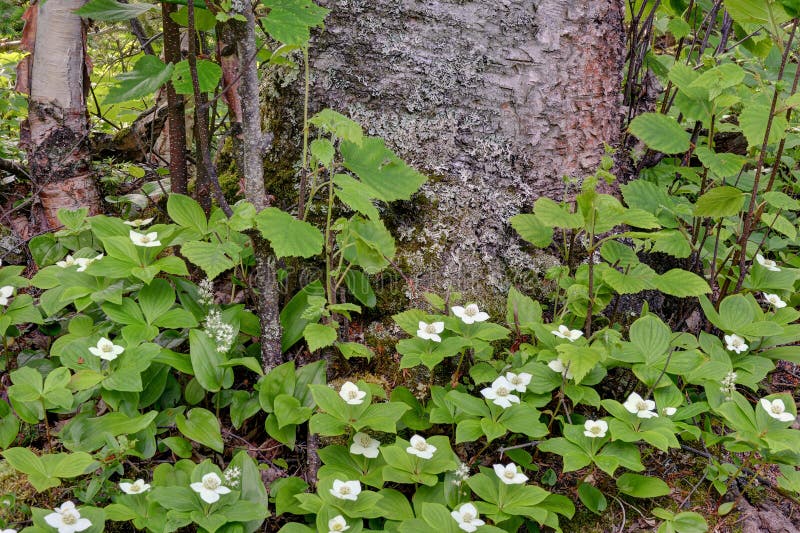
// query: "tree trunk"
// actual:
[[496, 100], [251, 141], [176, 123], [56, 135]]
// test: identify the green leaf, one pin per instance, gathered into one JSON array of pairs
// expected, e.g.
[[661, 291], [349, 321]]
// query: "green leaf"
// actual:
[[381, 169], [556, 215], [681, 283], [289, 21], [208, 256], [323, 151], [640, 486], [354, 349], [651, 336], [367, 243], [592, 498], [358, 284], [204, 20], [724, 165], [319, 336], [532, 230], [288, 236], [660, 133], [356, 195], [111, 10], [45, 249], [206, 360], [147, 75], [720, 202], [201, 426], [338, 125], [754, 119], [208, 76], [156, 299], [187, 212]]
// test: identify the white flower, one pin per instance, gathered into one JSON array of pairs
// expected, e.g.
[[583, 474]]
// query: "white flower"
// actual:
[[420, 448], [205, 292], [500, 393], [67, 519], [84, 262], [351, 394], [774, 300], [364, 445], [219, 330], [337, 523], [210, 487], [139, 222], [5, 294], [467, 517], [595, 428], [9, 530], [137, 487], [106, 349], [640, 407], [776, 409], [520, 381], [565, 333], [346, 490], [231, 476], [148, 240], [430, 331], [509, 475], [669, 411], [729, 384], [469, 314], [557, 366], [735, 343], [769, 264], [66, 262]]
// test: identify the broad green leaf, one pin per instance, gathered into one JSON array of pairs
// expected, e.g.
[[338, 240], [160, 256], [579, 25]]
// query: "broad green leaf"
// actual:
[[381, 169], [204, 20], [640, 486], [681, 283], [319, 336], [201, 426], [156, 299], [721, 201], [206, 360], [338, 125], [356, 195], [661, 133], [208, 256], [323, 151], [724, 165], [592, 498], [532, 230], [556, 215], [147, 75], [186, 212], [358, 284], [208, 76], [289, 21], [288, 236], [111, 10], [753, 120], [367, 243]]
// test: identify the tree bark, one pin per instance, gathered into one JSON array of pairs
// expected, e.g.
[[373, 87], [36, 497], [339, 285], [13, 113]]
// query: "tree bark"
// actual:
[[496, 100], [251, 143], [56, 134], [176, 121]]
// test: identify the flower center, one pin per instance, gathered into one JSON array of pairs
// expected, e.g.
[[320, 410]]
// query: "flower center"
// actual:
[[776, 409], [515, 380], [502, 391], [467, 517], [365, 441], [641, 406], [106, 348], [510, 474], [69, 518], [430, 328], [145, 238], [421, 446], [352, 394], [344, 489], [136, 487], [337, 527], [210, 483], [471, 310], [595, 430]]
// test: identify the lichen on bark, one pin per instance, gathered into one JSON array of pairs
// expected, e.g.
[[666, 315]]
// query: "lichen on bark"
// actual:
[[497, 100]]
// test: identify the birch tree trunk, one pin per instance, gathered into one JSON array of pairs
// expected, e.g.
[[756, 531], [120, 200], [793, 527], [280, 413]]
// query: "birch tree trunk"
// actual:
[[496, 100], [57, 133]]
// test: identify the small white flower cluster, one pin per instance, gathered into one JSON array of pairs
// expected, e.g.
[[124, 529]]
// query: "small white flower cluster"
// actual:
[[461, 474], [221, 332], [232, 475], [205, 292], [729, 384]]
